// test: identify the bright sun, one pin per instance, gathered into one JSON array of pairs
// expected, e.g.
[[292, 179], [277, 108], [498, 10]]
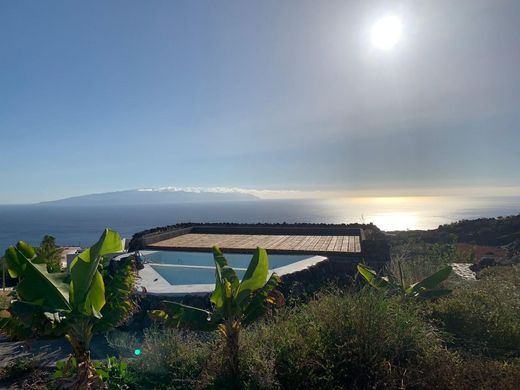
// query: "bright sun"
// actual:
[[386, 32]]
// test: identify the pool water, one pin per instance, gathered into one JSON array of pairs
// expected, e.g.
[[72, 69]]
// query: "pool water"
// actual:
[[175, 274], [183, 268], [206, 259]]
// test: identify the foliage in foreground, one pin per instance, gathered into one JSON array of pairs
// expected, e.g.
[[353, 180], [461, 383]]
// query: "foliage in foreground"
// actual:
[[236, 303], [113, 372], [484, 316], [71, 303], [357, 340], [424, 289], [170, 358], [120, 279]]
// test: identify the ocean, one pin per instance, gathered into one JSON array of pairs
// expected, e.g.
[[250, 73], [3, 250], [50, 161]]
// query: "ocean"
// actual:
[[83, 225]]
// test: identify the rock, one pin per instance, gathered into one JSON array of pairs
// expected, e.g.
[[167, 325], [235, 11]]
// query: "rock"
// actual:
[[483, 263]]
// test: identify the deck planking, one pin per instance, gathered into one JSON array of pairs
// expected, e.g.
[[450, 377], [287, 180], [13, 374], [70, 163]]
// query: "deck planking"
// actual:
[[281, 243]]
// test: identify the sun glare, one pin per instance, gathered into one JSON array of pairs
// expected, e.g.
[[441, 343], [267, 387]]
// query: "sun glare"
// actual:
[[395, 221], [386, 32]]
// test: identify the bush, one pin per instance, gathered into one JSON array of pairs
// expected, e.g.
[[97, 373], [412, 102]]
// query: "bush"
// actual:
[[484, 316], [120, 280], [420, 259], [356, 340], [169, 358], [339, 340]]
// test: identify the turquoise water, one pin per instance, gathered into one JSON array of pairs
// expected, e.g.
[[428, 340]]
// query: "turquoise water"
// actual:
[[205, 259], [198, 267], [189, 275]]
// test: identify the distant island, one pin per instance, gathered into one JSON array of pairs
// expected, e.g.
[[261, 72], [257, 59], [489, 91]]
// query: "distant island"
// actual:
[[148, 196]]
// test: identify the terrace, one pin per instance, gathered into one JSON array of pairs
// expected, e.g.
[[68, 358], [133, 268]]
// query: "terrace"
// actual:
[[178, 263]]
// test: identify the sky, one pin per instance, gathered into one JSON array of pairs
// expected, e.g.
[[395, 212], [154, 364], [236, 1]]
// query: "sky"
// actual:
[[102, 96]]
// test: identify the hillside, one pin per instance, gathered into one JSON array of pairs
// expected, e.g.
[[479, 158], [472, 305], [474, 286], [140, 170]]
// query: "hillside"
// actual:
[[140, 197]]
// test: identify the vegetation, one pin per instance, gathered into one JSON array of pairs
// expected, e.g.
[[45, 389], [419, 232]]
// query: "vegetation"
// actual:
[[236, 303], [484, 317], [354, 337], [51, 253], [482, 231], [170, 357], [119, 279], [425, 289], [340, 339], [71, 303], [112, 371]]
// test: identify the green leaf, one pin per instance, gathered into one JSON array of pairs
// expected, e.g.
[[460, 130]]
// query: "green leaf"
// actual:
[[433, 294], [86, 285], [255, 275], [219, 258], [431, 281], [180, 315], [37, 285], [16, 262], [372, 278], [96, 298], [259, 302], [226, 280], [48, 290]]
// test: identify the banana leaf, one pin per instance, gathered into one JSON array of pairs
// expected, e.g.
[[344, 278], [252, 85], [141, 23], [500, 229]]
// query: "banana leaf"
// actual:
[[431, 281], [226, 279], [433, 294], [16, 261], [373, 279], [260, 300], [87, 290], [255, 275], [37, 286]]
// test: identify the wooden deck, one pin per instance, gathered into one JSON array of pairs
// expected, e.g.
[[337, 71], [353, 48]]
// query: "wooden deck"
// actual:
[[319, 244]]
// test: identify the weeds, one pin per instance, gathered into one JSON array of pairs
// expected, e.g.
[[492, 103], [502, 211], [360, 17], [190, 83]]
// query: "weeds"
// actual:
[[484, 317]]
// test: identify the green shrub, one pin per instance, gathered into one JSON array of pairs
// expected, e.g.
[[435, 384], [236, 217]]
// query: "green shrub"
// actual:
[[51, 253], [484, 316], [356, 340], [169, 359], [339, 340], [419, 259], [120, 281]]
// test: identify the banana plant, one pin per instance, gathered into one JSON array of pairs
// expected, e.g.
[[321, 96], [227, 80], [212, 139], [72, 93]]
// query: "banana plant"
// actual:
[[72, 302], [235, 303], [425, 289]]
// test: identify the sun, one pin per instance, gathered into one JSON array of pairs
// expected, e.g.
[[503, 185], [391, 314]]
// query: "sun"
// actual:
[[386, 32]]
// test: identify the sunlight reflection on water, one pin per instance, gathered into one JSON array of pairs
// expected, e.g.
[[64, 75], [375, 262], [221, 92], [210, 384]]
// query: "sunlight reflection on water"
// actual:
[[417, 212], [82, 225]]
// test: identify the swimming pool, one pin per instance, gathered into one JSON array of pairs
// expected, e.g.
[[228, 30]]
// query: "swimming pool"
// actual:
[[176, 272], [235, 260]]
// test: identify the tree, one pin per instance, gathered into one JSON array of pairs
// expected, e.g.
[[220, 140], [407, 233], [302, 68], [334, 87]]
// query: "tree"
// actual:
[[49, 251], [71, 302], [235, 304]]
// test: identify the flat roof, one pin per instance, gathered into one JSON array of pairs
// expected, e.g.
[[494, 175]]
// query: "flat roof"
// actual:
[[319, 244]]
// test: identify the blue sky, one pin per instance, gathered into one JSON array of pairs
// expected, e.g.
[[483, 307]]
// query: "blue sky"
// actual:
[[109, 95]]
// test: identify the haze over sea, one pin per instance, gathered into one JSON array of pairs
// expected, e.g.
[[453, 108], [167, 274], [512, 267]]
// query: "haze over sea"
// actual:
[[82, 225]]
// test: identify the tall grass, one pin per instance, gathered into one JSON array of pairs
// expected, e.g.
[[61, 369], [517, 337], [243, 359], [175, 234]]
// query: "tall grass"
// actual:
[[484, 316], [169, 359], [339, 340]]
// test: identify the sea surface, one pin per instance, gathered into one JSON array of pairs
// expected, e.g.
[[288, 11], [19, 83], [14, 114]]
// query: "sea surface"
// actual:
[[83, 225]]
